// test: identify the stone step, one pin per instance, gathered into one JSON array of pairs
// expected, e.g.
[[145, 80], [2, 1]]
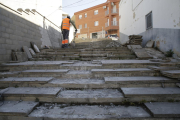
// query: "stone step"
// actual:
[[16, 108], [30, 65], [77, 75], [106, 52], [126, 72], [171, 73], [9, 74], [24, 81], [44, 73], [163, 68], [141, 81], [93, 112], [30, 91], [151, 94], [93, 55], [78, 83], [90, 96], [127, 63], [164, 109]]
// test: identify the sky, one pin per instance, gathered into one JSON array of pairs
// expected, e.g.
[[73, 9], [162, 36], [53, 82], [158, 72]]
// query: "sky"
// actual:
[[72, 6]]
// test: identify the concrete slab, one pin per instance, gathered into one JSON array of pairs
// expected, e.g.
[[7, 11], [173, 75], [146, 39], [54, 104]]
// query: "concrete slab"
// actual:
[[9, 74], [26, 49], [45, 71], [120, 70], [136, 46], [150, 44], [77, 81], [90, 112], [90, 96], [38, 80], [104, 62], [130, 92], [164, 109], [17, 108], [147, 79], [31, 92], [143, 55], [163, 68], [30, 63], [172, 73]]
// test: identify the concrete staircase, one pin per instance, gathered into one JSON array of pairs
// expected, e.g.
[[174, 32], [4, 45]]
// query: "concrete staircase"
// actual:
[[99, 88]]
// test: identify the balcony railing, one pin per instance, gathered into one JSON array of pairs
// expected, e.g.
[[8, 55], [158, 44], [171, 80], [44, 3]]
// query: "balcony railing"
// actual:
[[114, 23], [114, 11], [107, 12]]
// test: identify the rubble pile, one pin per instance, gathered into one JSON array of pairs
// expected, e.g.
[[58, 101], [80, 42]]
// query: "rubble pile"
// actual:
[[114, 44]]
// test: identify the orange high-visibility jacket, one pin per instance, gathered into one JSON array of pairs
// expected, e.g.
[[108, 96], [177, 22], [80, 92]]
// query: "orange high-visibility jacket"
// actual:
[[66, 24]]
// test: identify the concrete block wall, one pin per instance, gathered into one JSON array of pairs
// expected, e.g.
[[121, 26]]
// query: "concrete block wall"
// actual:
[[17, 30]]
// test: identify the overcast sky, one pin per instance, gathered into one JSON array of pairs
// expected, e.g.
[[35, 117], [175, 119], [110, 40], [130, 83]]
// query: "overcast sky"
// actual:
[[72, 6]]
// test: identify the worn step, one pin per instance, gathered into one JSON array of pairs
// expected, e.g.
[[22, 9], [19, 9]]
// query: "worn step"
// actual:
[[29, 65], [16, 108], [151, 94], [172, 73], [81, 66], [24, 81], [78, 83], [93, 112], [77, 75], [30, 93], [90, 96], [127, 63], [9, 74], [99, 73], [44, 73], [141, 81], [164, 109], [163, 68]]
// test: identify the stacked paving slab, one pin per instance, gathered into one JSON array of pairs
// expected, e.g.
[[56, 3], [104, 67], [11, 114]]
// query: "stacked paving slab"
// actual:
[[96, 86]]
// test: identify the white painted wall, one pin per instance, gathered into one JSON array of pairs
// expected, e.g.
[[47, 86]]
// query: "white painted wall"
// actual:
[[48, 8], [71, 33], [166, 14]]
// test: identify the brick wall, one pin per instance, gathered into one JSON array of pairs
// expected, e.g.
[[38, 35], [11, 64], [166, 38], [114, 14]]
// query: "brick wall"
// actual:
[[19, 30], [100, 17]]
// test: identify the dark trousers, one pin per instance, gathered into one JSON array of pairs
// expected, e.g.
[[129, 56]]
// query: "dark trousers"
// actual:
[[65, 38]]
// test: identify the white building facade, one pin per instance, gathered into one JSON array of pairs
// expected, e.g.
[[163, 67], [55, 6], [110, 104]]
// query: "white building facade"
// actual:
[[157, 20]]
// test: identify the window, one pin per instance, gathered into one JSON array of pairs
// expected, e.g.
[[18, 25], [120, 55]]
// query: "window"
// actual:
[[80, 16], [85, 25], [80, 26], [95, 12], [149, 24], [85, 15], [96, 23]]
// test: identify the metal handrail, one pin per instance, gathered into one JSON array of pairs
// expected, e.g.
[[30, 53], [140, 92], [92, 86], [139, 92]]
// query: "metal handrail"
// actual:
[[10, 8], [48, 19]]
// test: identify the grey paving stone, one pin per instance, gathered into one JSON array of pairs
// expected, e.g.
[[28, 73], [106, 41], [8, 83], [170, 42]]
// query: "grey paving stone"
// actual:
[[150, 91], [127, 62], [121, 70], [26, 80], [172, 73], [164, 109], [90, 112], [90, 96], [135, 79], [143, 55], [30, 91], [26, 49], [149, 44], [45, 71], [17, 108]]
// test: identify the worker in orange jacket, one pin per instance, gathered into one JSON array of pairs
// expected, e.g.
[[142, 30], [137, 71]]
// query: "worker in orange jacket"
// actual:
[[65, 27]]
